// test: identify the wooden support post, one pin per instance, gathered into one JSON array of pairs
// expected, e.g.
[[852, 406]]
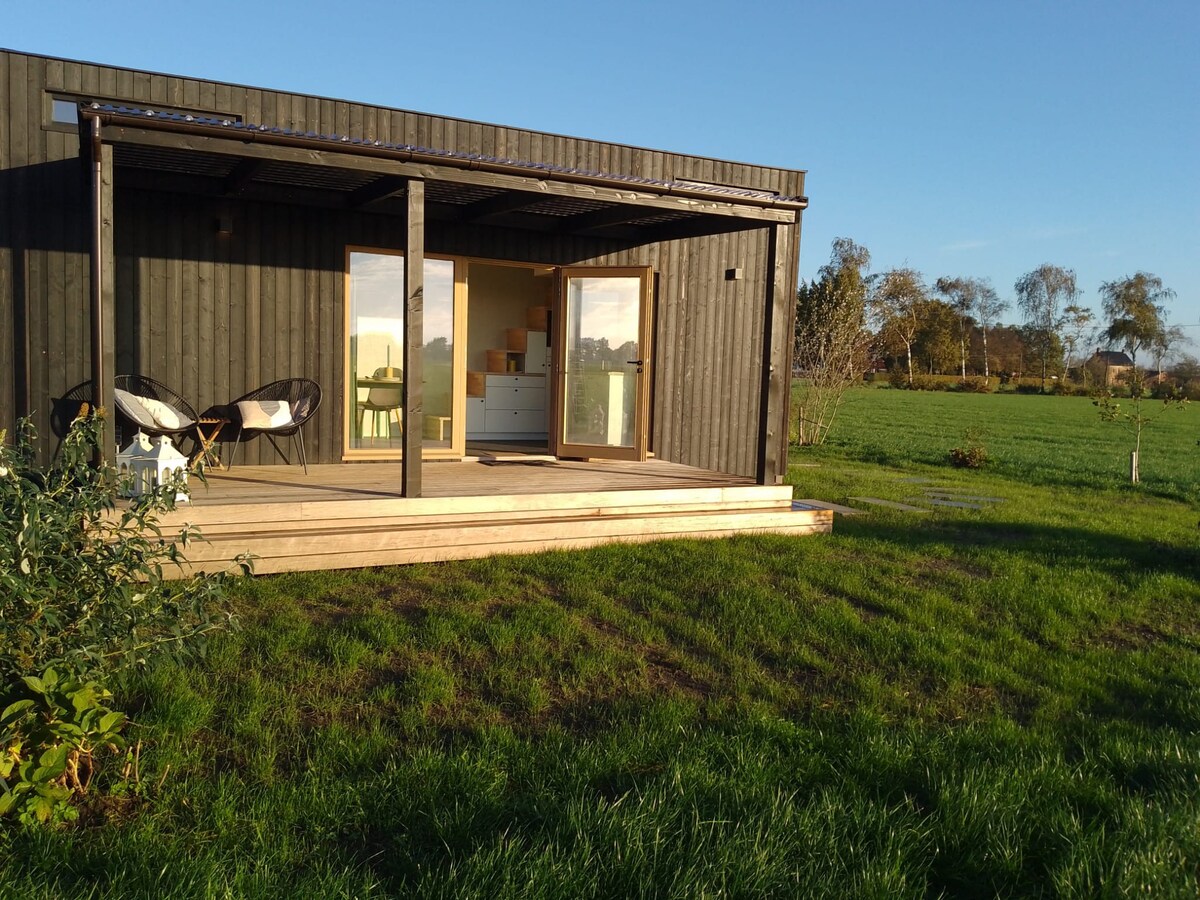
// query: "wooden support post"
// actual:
[[414, 339], [774, 393], [103, 288]]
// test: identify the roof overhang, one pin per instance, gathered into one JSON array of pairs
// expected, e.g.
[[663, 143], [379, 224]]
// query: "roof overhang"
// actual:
[[222, 158]]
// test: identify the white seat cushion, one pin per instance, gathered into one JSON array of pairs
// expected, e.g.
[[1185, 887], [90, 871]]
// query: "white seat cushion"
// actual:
[[264, 414], [132, 406], [167, 416]]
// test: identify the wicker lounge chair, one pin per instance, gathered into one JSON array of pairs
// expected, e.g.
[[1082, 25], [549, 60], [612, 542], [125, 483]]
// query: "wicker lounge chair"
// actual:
[[279, 408]]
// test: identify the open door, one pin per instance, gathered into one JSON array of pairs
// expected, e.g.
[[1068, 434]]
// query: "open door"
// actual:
[[602, 363]]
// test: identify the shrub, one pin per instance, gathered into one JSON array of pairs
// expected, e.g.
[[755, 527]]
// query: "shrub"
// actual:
[[1165, 390], [973, 455], [81, 580], [50, 745], [977, 384], [934, 382], [82, 595]]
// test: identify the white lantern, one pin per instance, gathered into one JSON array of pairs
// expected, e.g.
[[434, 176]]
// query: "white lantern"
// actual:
[[144, 465]]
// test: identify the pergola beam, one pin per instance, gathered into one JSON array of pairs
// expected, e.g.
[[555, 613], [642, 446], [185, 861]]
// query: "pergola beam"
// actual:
[[773, 387], [241, 175], [414, 339], [380, 189], [554, 185], [103, 287], [583, 223], [493, 207]]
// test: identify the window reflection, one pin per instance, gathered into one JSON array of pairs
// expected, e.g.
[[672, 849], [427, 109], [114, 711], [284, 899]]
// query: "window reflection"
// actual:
[[376, 348]]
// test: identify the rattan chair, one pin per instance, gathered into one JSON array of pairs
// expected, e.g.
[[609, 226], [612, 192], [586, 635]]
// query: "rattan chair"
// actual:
[[66, 409], [302, 395], [147, 388]]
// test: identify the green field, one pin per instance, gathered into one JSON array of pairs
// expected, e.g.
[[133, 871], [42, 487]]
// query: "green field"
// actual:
[[996, 702]]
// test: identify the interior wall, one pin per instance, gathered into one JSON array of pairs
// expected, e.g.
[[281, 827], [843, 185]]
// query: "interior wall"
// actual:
[[497, 299]]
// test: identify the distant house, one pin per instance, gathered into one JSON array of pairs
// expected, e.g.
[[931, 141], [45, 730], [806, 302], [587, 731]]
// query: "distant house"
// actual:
[[1113, 363]]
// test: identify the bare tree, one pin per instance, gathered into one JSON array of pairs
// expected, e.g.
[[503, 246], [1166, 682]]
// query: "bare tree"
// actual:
[[1042, 294], [831, 338], [895, 306]]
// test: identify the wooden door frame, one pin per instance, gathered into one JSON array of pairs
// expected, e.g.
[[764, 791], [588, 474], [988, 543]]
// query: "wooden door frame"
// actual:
[[641, 431]]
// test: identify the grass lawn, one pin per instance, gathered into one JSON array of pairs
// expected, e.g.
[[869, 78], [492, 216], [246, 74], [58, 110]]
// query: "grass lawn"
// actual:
[[997, 702]]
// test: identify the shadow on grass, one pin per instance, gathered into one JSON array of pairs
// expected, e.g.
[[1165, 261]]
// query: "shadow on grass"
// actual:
[[1118, 554]]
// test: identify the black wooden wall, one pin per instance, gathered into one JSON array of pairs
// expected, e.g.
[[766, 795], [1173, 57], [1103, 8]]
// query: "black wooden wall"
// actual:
[[215, 316]]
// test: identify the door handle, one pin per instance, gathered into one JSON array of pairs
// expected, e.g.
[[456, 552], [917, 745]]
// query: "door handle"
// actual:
[[636, 362]]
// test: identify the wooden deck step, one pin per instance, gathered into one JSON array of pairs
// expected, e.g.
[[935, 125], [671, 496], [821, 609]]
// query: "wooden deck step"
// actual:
[[426, 508], [350, 543]]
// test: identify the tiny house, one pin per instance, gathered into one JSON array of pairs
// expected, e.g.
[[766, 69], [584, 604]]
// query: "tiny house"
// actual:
[[490, 312]]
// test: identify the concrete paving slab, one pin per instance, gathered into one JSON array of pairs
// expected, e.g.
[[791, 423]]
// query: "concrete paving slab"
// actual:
[[957, 504], [823, 504], [955, 495], [890, 504]]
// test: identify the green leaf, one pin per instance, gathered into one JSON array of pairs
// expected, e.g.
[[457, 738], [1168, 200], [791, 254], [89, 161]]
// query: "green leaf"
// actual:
[[54, 759], [112, 722], [14, 710], [35, 684]]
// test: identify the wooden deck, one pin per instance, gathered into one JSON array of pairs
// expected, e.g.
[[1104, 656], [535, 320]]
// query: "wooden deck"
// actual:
[[352, 516]]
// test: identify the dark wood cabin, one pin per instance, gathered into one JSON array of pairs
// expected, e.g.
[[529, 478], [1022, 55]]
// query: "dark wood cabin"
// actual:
[[460, 291]]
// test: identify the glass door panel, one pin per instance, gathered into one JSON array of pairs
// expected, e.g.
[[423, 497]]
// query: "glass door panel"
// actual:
[[375, 375], [438, 327], [603, 359]]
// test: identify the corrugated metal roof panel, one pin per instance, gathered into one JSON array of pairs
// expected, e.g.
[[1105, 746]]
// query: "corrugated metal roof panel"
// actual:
[[236, 127]]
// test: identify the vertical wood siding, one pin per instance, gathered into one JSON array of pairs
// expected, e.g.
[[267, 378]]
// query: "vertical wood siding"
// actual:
[[216, 316]]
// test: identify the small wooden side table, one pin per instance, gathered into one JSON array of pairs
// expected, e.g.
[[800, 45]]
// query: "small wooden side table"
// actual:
[[208, 429]]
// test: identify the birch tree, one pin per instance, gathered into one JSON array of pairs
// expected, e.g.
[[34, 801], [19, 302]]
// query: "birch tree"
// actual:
[[895, 306], [1135, 308], [1042, 296], [988, 307]]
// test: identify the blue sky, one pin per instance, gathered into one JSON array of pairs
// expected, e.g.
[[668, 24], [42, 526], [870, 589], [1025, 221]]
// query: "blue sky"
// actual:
[[976, 139]]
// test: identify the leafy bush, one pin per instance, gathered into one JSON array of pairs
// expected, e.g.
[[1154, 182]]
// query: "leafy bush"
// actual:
[[50, 742], [973, 455], [1166, 390], [977, 384], [974, 384], [82, 595], [81, 579], [1064, 388]]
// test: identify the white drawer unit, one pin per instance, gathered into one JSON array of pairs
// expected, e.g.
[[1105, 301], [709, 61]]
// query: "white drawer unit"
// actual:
[[515, 381], [516, 398], [476, 407], [515, 421], [513, 407]]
